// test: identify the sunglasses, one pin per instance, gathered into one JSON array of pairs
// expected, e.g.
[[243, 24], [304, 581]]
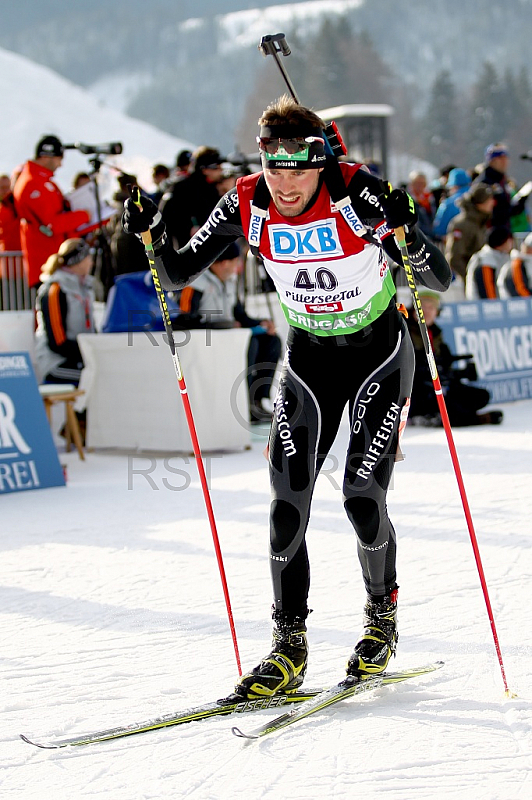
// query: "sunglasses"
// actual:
[[290, 146]]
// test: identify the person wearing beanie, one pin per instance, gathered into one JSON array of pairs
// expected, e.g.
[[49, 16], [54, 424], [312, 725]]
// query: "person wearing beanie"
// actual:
[[464, 402], [211, 301], [46, 218], [182, 162], [324, 231], [484, 267], [64, 309], [468, 230], [457, 185], [495, 174], [515, 277]]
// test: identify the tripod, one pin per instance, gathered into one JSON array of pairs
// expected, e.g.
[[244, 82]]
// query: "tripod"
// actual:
[[103, 269]]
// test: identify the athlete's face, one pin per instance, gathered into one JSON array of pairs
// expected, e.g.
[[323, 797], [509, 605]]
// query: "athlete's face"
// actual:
[[291, 189]]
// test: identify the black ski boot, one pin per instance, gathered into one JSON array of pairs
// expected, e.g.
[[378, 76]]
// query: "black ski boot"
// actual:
[[379, 640], [283, 669]]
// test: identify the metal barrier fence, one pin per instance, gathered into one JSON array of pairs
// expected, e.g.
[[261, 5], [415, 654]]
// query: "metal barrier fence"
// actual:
[[15, 294]]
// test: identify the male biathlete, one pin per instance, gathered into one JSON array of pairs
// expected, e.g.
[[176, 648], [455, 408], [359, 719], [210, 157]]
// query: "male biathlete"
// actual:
[[324, 230]]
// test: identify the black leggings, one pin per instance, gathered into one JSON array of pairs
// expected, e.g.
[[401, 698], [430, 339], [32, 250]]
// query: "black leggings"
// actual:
[[372, 371]]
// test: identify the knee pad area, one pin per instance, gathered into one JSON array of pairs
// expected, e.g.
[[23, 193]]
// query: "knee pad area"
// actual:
[[285, 523], [364, 515]]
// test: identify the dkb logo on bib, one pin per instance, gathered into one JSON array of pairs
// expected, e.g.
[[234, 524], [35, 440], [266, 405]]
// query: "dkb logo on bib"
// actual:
[[309, 242]]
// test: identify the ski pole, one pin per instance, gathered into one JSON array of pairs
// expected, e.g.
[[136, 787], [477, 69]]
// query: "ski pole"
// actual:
[[401, 242], [153, 261]]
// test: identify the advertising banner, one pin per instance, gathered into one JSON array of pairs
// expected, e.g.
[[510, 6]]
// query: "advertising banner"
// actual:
[[499, 335], [28, 455]]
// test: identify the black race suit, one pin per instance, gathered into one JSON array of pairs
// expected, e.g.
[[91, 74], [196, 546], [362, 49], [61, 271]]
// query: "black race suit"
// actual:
[[370, 370]]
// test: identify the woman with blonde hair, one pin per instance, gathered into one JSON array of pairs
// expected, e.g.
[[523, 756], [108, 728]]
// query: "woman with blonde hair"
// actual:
[[64, 309]]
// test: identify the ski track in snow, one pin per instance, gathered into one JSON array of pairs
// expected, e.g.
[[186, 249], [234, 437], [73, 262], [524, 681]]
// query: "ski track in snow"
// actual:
[[112, 611]]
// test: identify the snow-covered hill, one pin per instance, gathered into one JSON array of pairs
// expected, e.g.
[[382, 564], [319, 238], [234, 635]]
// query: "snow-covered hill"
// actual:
[[37, 101]]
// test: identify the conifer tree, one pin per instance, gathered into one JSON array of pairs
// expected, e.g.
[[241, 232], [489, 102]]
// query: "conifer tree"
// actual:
[[441, 126]]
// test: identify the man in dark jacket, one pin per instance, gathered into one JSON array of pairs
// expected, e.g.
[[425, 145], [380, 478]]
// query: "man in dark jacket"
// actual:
[[496, 162], [463, 400], [187, 207]]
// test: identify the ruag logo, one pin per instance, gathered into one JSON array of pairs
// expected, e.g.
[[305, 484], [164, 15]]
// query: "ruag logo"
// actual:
[[310, 242]]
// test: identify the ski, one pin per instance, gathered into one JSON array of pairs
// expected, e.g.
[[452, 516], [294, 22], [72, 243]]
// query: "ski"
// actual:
[[220, 708], [341, 691]]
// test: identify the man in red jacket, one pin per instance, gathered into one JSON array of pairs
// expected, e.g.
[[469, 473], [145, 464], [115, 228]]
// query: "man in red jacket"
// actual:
[[46, 219]]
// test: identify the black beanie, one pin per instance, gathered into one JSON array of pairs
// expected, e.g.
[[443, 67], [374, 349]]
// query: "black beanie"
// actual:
[[498, 236], [49, 146], [230, 253]]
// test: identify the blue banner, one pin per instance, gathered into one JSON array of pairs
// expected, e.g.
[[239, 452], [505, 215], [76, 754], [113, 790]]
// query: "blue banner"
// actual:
[[499, 335], [28, 456]]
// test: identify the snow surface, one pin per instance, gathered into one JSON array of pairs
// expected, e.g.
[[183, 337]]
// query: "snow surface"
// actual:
[[41, 102], [112, 612]]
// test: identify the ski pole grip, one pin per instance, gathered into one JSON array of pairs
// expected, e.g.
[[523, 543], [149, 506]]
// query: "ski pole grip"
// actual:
[[134, 193], [400, 236]]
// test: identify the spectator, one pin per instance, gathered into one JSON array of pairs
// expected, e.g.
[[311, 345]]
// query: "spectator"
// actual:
[[192, 199], [160, 175], [417, 188], [178, 174], [463, 401], [127, 252], [458, 184], [64, 309], [182, 163], [9, 221], [515, 277], [496, 161], [468, 231], [484, 267], [439, 187], [81, 179], [212, 301], [230, 173], [46, 219]]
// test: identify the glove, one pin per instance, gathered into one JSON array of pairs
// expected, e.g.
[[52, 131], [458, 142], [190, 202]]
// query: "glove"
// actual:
[[399, 209], [136, 221]]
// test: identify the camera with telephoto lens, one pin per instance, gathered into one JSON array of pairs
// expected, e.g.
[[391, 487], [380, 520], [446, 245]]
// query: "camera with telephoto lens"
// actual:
[[110, 149]]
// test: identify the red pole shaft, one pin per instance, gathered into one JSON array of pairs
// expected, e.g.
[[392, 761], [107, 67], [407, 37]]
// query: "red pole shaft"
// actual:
[[469, 520], [400, 237], [210, 512]]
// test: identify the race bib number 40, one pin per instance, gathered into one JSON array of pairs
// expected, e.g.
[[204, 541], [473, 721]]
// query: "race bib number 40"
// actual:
[[316, 240]]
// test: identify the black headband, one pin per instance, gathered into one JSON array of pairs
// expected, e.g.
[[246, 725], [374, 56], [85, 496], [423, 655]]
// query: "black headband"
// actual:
[[287, 131]]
